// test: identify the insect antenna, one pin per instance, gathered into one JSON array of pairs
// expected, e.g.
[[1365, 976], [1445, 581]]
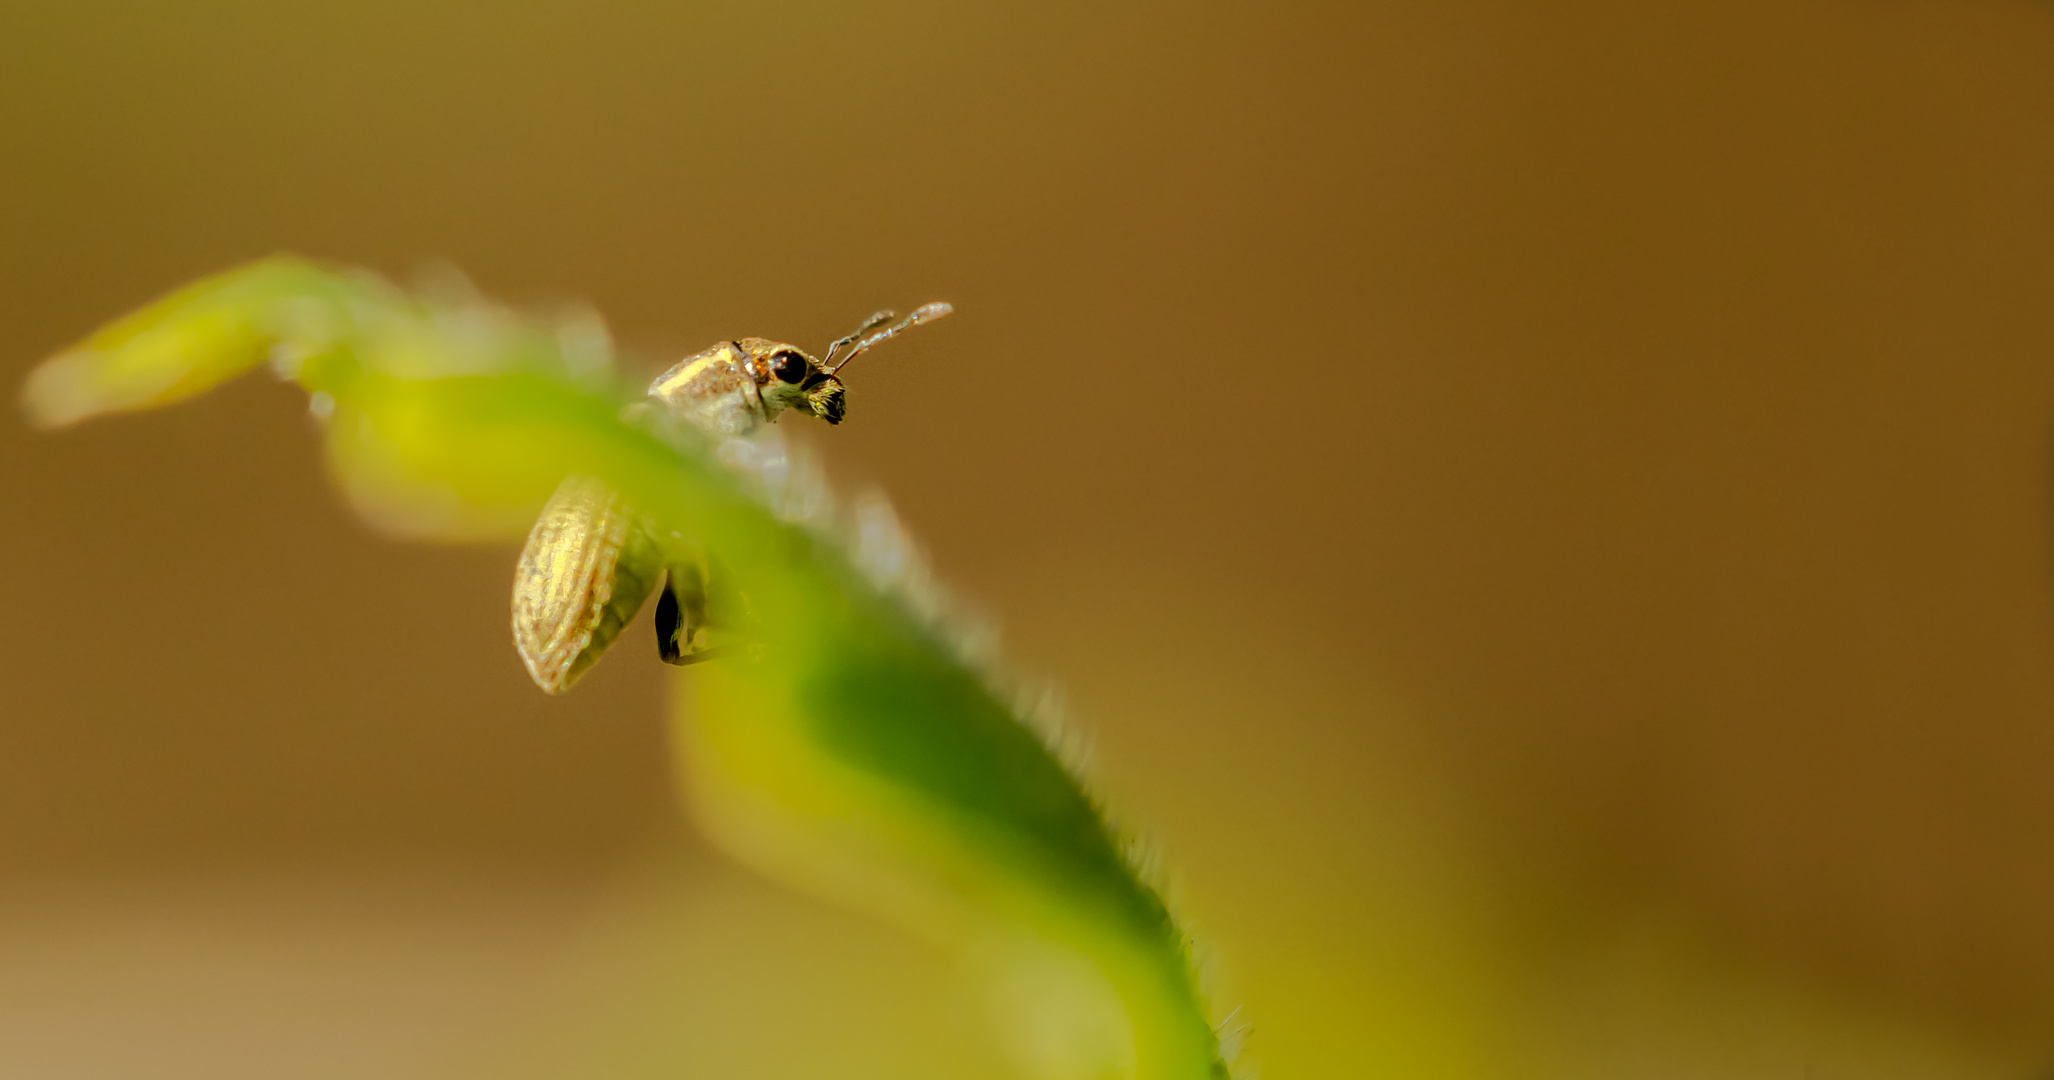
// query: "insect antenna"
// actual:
[[869, 334], [876, 320]]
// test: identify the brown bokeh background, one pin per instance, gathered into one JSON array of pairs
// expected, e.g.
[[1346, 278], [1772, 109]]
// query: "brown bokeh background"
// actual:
[[1542, 511]]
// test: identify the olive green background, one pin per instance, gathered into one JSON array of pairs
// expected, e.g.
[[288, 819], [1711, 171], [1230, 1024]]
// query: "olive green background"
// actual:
[[1542, 512]]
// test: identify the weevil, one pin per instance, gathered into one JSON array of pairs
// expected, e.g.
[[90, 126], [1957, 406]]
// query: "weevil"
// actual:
[[591, 561]]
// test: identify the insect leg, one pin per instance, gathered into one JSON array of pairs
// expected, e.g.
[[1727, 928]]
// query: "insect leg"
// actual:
[[681, 614]]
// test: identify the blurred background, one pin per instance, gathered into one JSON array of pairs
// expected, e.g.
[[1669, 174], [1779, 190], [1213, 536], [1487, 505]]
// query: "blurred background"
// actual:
[[1543, 512]]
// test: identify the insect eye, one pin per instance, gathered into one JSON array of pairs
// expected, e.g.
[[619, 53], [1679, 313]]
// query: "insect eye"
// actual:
[[789, 367]]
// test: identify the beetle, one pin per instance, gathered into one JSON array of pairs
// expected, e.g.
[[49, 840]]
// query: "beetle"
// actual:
[[590, 561]]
